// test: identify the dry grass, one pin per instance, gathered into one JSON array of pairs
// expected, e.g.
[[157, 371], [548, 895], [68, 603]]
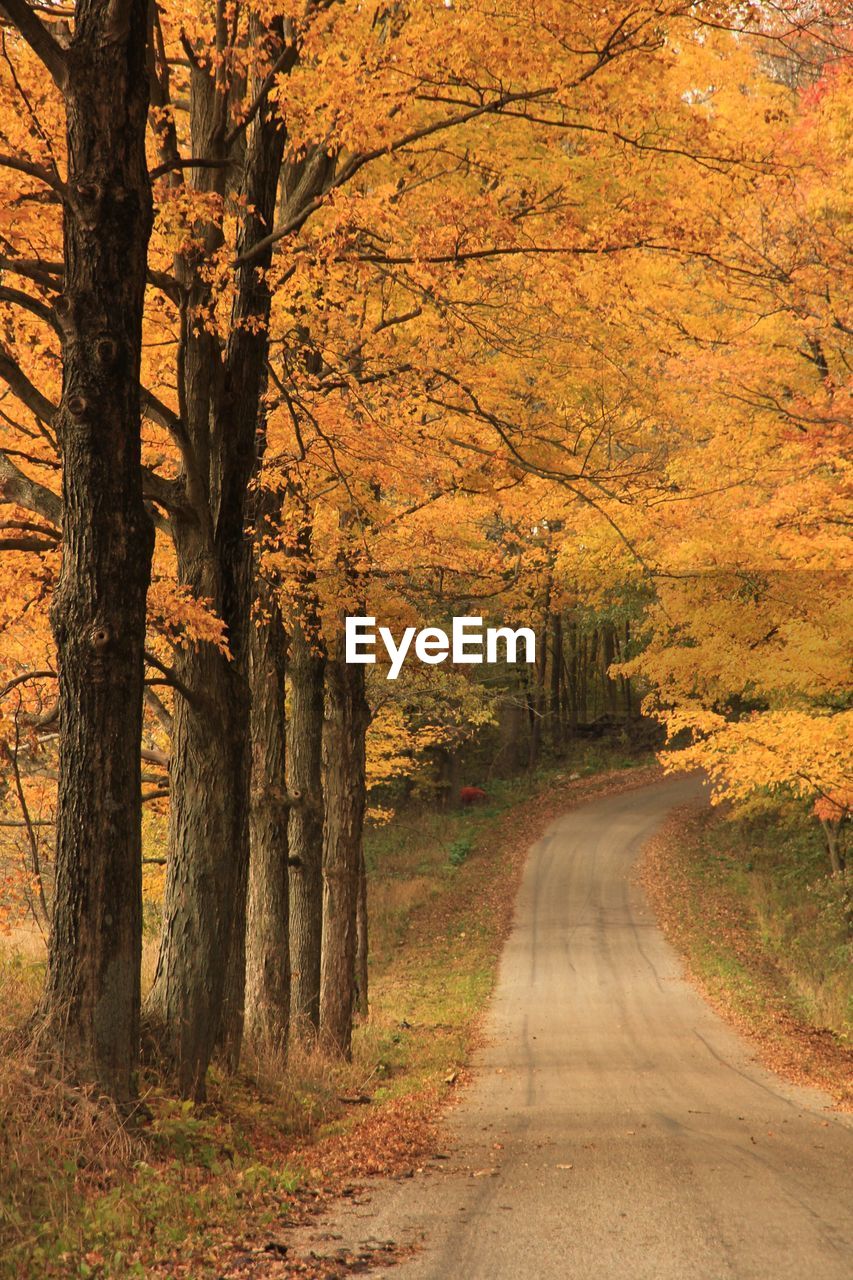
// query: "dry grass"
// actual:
[[56, 1143]]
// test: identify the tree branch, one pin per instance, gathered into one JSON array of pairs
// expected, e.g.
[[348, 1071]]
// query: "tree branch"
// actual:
[[20, 386], [23, 492], [156, 488], [38, 38], [285, 61], [24, 677], [18, 298], [194, 162], [47, 274], [352, 167], [171, 677], [32, 169]]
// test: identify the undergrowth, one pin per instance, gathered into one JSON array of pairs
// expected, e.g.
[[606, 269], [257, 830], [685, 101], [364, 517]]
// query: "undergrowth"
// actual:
[[775, 861]]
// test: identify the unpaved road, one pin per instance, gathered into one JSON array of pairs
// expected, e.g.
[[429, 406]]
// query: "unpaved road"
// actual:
[[616, 1127]]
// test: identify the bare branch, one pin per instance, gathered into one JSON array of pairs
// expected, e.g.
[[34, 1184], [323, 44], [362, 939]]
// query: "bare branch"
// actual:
[[160, 794], [166, 284], [168, 493], [18, 298], [20, 385], [194, 162], [24, 677], [47, 274], [170, 677], [36, 545], [159, 710], [24, 492]]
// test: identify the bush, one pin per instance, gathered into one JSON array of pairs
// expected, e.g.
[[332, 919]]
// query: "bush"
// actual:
[[459, 850]]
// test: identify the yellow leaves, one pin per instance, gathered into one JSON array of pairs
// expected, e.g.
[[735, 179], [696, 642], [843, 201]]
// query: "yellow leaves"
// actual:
[[807, 754], [184, 620]]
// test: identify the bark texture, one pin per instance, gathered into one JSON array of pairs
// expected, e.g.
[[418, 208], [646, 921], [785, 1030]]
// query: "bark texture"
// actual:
[[345, 790], [305, 830], [197, 999], [91, 1000], [268, 905]]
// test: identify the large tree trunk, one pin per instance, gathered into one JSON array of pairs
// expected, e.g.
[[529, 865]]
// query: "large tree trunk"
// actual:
[[208, 826], [197, 998], [345, 791], [268, 908], [91, 1000], [305, 830]]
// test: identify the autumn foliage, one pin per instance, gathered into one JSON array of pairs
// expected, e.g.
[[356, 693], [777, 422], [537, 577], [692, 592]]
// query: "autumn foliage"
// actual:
[[537, 312]]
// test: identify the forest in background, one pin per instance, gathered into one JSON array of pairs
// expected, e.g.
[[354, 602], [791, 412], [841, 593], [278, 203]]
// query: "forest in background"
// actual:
[[533, 312]]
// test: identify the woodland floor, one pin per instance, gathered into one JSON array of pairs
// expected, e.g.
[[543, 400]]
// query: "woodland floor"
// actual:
[[213, 1191]]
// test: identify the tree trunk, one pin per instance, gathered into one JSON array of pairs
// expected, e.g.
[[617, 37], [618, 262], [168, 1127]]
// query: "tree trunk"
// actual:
[[197, 998], [268, 908], [91, 999], [608, 657], [574, 692], [626, 680], [362, 941], [536, 698], [832, 832], [305, 828], [345, 791], [207, 823], [554, 711], [512, 723]]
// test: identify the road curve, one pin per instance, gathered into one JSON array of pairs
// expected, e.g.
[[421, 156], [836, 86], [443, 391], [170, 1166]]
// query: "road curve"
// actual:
[[616, 1127]]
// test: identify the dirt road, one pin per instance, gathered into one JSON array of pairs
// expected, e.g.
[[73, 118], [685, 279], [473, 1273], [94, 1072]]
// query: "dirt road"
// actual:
[[616, 1127]]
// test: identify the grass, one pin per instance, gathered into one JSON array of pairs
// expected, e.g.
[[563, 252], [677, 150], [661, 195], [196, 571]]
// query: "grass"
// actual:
[[82, 1194], [765, 929]]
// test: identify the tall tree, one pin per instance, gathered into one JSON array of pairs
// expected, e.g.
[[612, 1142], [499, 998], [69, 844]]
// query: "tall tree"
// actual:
[[91, 1000], [197, 998], [348, 716]]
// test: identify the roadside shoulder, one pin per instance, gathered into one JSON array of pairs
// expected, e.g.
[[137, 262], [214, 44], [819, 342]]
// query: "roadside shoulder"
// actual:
[[694, 893]]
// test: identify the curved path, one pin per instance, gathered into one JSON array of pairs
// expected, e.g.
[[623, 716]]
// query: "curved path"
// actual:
[[616, 1127]]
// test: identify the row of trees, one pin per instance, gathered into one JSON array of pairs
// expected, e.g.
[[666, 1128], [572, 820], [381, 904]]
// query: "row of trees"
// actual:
[[387, 309]]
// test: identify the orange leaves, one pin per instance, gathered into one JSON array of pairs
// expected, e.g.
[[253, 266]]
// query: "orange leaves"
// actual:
[[184, 620], [835, 806]]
